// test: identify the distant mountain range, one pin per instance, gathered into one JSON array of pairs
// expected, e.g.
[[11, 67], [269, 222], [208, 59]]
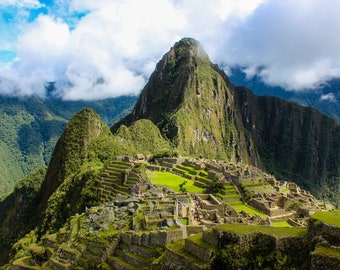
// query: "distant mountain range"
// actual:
[[325, 98]]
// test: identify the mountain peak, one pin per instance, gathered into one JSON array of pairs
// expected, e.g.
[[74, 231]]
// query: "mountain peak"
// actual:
[[164, 93], [190, 47], [70, 150], [190, 100]]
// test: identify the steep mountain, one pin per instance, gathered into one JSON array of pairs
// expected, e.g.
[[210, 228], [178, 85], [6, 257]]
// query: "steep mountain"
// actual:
[[325, 98], [188, 107], [70, 182], [30, 128], [18, 211], [202, 113], [295, 142], [192, 103]]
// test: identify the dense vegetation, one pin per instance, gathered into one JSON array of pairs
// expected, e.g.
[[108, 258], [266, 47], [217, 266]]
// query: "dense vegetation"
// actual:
[[190, 100], [295, 143], [18, 211], [30, 128], [261, 250], [70, 183]]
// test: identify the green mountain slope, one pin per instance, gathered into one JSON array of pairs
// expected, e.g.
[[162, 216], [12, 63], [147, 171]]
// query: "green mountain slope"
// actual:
[[46, 199], [189, 107], [325, 98], [30, 128], [143, 136]]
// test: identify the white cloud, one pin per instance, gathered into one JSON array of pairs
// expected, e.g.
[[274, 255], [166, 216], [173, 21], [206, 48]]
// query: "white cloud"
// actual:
[[108, 48], [296, 41], [40, 58], [22, 3], [328, 97]]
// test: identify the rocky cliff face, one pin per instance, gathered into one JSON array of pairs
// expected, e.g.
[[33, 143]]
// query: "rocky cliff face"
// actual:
[[198, 109], [295, 142]]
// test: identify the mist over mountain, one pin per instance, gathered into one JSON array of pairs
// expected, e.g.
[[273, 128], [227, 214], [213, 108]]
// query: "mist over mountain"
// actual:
[[325, 98]]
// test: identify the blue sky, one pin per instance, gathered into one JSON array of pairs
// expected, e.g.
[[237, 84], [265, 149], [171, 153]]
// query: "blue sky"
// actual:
[[76, 43]]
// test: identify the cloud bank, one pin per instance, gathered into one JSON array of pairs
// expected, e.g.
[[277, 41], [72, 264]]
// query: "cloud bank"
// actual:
[[105, 48], [295, 44]]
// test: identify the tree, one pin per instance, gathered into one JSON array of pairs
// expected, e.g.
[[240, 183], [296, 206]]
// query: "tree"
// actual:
[[182, 187]]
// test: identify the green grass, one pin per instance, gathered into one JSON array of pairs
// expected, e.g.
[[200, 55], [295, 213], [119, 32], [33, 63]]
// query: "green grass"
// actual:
[[281, 224], [275, 231], [229, 188], [331, 217], [197, 238], [235, 202], [326, 251], [185, 221], [229, 196], [172, 181], [25, 262], [260, 188], [247, 209]]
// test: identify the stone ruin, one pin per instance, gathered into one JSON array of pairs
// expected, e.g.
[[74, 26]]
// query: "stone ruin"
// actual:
[[274, 203], [158, 208], [162, 208]]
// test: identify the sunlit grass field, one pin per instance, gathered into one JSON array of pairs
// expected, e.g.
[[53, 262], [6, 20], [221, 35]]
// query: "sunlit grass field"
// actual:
[[248, 209], [173, 181]]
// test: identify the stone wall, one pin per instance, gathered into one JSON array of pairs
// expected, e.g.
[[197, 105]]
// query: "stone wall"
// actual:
[[205, 254], [195, 229], [321, 262], [178, 261], [330, 233], [152, 239]]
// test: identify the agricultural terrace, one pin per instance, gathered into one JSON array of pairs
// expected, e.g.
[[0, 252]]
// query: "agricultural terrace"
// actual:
[[329, 217]]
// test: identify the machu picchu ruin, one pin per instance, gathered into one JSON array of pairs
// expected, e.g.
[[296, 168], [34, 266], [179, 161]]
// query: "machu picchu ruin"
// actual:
[[142, 225]]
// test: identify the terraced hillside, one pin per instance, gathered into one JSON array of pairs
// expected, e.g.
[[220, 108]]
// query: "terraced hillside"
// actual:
[[117, 178]]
